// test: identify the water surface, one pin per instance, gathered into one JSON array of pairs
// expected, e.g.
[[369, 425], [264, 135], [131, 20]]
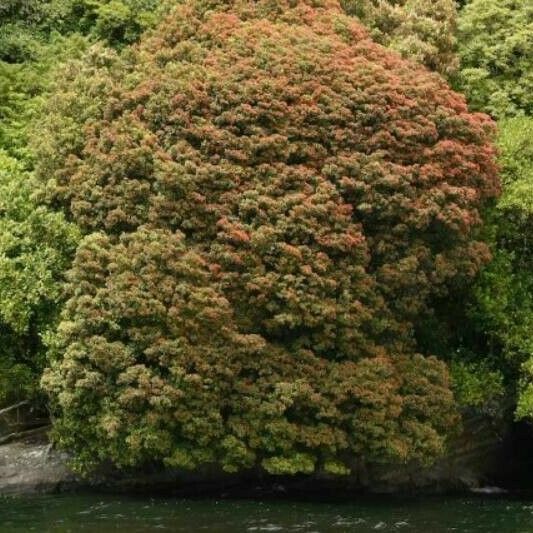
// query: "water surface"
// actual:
[[103, 514]]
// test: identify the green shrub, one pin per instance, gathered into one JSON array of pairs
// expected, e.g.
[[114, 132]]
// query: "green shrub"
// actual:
[[117, 22], [476, 385], [503, 305], [35, 249]]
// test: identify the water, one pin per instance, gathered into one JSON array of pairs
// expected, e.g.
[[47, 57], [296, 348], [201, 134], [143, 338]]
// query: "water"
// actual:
[[103, 514]]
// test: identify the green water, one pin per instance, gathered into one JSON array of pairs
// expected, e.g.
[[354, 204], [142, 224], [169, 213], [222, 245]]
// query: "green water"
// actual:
[[102, 514]]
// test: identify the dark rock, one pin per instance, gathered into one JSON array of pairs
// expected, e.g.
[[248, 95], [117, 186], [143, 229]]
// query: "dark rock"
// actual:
[[33, 467]]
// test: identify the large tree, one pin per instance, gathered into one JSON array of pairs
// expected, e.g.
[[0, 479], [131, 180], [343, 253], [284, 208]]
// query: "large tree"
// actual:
[[421, 30], [270, 200]]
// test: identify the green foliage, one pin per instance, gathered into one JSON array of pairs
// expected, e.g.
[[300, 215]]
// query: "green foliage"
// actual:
[[35, 246], [19, 379], [270, 200], [24, 86], [516, 159], [21, 10], [503, 305], [476, 385], [421, 30], [118, 22], [78, 91], [504, 294], [10, 99], [524, 408], [18, 43], [496, 51], [299, 463], [20, 22], [27, 25]]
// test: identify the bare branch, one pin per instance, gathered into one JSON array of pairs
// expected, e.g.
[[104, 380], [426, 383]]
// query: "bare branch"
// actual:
[[13, 407], [23, 434]]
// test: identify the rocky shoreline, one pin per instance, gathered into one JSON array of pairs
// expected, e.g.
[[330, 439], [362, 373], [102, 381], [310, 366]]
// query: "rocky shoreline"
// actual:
[[33, 466]]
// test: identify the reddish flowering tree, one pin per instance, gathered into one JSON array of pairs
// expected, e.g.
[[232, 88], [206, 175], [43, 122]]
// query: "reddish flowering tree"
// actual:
[[270, 199]]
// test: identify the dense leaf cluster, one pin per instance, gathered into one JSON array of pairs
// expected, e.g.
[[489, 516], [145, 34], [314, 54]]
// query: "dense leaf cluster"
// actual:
[[496, 51], [421, 30], [503, 304], [35, 248]]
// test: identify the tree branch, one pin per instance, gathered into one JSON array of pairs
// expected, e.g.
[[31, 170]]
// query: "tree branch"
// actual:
[[13, 407], [23, 434]]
